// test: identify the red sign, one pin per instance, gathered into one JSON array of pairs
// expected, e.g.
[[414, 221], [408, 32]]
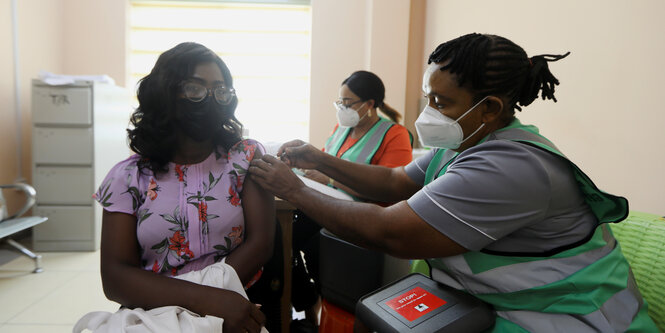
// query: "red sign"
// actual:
[[415, 303]]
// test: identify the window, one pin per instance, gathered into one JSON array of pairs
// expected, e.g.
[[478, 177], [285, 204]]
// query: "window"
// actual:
[[265, 44]]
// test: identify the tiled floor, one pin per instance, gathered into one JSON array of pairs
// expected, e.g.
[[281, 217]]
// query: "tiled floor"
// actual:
[[51, 301]]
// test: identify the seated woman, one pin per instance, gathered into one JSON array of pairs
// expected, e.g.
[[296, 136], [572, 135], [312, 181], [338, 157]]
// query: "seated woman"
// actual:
[[184, 201], [360, 136]]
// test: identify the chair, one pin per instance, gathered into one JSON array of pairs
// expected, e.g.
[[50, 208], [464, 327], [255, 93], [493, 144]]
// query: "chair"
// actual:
[[10, 225], [642, 240]]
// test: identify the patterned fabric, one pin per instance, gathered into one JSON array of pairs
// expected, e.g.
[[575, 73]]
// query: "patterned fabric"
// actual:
[[187, 218]]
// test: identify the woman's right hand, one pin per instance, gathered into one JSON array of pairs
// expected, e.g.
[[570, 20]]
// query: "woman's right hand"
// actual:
[[299, 154], [239, 314]]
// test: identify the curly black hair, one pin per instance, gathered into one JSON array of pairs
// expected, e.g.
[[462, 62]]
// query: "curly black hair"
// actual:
[[153, 135], [495, 65]]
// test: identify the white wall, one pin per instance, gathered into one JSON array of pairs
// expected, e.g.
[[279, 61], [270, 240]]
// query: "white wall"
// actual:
[[608, 120]]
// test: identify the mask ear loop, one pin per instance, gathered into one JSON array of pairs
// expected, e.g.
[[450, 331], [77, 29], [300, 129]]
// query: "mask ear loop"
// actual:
[[474, 132], [366, 113], [471, 109], [465, 113]]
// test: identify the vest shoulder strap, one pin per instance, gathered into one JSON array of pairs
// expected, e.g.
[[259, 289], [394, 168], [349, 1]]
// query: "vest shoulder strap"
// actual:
[[439, 164], [371, 143], [336, 140], [606, 207], [366, 147]]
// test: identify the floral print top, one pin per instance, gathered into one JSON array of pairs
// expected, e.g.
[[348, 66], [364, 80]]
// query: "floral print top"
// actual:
[[187, 218]]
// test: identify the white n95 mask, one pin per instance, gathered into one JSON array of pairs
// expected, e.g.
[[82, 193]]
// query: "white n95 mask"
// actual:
[[439, 131], [347, 116]]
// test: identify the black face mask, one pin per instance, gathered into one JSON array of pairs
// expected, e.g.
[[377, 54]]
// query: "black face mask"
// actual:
[[199, 120]]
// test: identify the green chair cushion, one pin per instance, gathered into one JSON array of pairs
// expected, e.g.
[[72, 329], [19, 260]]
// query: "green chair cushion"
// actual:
[[642, 240]]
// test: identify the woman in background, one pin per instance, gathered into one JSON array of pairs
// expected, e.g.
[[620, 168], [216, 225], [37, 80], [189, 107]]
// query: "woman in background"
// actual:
[[184, 201], [360, 136]]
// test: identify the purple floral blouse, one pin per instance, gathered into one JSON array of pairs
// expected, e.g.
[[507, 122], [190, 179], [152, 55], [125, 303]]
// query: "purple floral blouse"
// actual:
[[187, 218]]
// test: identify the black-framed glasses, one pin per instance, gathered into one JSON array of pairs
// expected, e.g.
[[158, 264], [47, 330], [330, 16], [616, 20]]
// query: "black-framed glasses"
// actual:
[[340, 102], [197, 92]]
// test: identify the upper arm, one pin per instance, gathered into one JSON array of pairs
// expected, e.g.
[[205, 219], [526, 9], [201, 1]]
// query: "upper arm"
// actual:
[[407, 235], [119, 244], [402, 184], [259, 211]]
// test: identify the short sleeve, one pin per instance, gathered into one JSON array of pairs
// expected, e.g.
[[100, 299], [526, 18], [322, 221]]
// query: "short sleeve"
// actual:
[[488, 192], [417, 168], [120, 190], [240, 155]]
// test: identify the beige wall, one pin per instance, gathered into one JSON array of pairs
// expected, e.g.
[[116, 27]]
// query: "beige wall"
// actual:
[[59, 36], [94, 38], [350, 35], [389, 45], [40, 38], [609, 119], [415, 64]]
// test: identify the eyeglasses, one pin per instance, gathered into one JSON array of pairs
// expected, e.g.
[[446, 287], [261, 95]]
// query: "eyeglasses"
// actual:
[[197, 92], [340, 103]]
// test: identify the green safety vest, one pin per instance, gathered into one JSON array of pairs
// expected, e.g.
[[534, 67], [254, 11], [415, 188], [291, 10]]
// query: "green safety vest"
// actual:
[[363, 150], [590, 285]]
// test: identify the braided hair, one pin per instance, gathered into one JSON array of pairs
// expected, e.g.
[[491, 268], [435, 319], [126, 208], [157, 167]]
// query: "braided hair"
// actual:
[[368, 85], [494, 65]]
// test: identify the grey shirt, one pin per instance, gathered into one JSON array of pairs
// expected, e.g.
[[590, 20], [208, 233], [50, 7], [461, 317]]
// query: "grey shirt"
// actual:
[[504, 196]]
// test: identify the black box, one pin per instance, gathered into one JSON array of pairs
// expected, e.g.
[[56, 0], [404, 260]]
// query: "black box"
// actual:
[[417, 303], [346, 271]]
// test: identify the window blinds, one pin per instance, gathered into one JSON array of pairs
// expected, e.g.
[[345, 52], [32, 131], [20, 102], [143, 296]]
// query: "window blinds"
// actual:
[[265, 44]]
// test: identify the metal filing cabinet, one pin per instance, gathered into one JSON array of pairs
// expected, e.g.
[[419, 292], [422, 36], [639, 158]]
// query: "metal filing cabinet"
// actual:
[[78, 134]]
